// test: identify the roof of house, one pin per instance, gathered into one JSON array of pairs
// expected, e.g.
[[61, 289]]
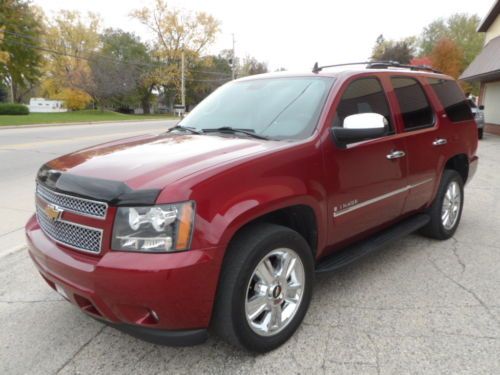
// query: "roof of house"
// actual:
[[490, 17], [486, 65]]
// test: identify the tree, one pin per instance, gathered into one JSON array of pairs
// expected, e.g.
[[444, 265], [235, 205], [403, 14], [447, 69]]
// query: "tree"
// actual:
[[251, 66], [401, 51], [110, 79], [4, 93], [207, 73], [176, 32], [4, 55], [447, 57], [129, 53], [73, 38], [459, 28], [21, 26]]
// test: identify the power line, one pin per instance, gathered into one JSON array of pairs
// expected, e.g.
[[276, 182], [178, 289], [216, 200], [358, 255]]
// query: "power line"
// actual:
[[86, 58]]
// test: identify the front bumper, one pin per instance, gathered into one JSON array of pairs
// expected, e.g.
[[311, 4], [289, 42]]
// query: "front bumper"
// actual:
[[166, 297]]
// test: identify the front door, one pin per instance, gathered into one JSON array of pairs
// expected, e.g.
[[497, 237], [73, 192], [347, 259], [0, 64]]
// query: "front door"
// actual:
[[366, 181]]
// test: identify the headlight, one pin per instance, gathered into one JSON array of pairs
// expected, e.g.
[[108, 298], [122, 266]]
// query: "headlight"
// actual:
[[154, 229]]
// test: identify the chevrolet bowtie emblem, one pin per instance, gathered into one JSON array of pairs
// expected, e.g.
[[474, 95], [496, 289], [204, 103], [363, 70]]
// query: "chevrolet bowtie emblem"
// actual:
[[53, 212]]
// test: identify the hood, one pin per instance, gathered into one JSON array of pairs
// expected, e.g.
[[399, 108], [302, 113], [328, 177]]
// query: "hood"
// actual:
[[152, 162]]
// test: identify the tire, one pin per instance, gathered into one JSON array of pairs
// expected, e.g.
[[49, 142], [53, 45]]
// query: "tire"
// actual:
[[439, 228], [480, 133], [240, 283]]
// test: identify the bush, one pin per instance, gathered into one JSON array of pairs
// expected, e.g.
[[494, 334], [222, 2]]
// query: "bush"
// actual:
[[74, 99], [13, 109]]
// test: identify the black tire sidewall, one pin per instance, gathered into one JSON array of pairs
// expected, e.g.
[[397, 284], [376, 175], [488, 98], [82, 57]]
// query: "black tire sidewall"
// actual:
[[285, 238]]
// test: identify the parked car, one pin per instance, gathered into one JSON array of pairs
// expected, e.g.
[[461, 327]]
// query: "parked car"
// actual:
[[478, 113], [223, 221]]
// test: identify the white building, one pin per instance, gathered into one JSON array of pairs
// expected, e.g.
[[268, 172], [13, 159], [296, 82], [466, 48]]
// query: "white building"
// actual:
[[46, 105], [486, 69]]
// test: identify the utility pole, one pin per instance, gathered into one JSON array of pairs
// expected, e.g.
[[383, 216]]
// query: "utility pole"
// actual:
[[233, 65], [183, 85]]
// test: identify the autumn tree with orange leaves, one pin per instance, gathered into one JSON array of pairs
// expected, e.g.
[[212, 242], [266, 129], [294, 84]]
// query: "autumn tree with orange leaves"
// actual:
[[447, 57]]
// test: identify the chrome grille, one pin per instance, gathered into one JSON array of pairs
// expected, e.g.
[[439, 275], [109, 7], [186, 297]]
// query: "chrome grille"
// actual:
[[77, 205], [73, 235]]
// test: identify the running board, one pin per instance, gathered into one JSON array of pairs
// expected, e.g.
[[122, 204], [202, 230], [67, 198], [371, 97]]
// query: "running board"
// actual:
[[354, 252]]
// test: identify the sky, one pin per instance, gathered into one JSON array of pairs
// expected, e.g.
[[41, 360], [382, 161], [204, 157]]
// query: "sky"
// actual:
[[292, 34]]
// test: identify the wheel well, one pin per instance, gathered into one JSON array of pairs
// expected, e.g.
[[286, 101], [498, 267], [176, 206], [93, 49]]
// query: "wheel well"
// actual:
[[459, 163], [299, 218]]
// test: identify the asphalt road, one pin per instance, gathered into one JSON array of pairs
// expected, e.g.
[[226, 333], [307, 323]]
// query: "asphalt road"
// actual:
[[24, 150], [417, 307]]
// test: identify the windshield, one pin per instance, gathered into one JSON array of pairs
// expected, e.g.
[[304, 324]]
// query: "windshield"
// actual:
[[280, 108]]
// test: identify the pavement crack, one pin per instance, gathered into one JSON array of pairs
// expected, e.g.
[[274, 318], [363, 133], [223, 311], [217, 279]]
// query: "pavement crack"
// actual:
[[376, 351], [466, 289], [33, 301], [80, 349], [454, 249], [405, 308], [13, 230], [432, 336]]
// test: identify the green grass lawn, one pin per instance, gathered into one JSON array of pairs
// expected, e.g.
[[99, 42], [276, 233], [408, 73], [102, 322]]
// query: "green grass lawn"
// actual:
[[77, 116]]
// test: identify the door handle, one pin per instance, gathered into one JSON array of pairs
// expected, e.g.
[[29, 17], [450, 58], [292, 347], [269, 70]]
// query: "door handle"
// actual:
[[396, 155], [439, 142]]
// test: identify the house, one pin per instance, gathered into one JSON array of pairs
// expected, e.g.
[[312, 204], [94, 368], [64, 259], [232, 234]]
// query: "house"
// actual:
[[486, 69], [46, 105]]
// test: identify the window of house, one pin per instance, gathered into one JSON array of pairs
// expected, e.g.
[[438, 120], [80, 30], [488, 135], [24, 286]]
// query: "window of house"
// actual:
[[364, 95], [414, 106], [452, 99]]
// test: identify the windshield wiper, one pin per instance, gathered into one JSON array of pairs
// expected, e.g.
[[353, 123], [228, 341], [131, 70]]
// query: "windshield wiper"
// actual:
[[231, 130], [185, 128]]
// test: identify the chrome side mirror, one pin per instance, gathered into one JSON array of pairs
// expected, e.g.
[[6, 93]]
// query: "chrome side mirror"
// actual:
[[365, 121], [360, 127]]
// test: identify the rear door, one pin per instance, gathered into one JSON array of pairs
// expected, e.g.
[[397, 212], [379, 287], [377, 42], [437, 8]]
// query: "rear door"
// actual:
[[366, 181], [423, 142]]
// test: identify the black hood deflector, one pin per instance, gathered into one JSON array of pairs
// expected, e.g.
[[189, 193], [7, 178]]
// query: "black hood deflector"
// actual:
[[115, 193]]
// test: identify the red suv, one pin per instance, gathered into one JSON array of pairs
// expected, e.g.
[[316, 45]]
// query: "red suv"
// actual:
[[222, 221]]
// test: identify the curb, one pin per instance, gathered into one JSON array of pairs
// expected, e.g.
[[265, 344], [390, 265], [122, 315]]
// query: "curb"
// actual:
[[7, 127]]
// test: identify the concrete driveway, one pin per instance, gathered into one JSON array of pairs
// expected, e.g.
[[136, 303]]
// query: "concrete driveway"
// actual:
[[419, 306]]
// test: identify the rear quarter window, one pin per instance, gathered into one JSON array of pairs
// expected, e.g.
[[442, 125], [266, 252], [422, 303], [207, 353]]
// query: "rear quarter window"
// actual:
[[452, 99]]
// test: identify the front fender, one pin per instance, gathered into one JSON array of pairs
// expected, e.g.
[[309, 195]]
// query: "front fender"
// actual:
[[247, 211], [219, 219]]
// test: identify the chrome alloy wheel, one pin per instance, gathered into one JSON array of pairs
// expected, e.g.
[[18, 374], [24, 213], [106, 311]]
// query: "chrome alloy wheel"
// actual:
[[451, 205], [274, 292]]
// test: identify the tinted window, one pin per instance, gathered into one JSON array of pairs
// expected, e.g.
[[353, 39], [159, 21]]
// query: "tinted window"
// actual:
[[414, 106], [452, 98], [362, 96]]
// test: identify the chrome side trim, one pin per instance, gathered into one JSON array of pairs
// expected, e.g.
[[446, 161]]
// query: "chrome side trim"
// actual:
[[379, 198]]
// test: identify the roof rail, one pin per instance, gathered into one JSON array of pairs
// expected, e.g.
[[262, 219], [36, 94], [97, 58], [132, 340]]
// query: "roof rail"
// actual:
[[379, 65]]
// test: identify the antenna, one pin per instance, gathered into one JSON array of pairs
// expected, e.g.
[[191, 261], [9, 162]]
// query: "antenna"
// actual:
[[316, 68]]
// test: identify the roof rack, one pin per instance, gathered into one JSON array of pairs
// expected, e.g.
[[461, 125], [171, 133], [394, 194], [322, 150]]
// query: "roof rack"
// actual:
[[379, 65]]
